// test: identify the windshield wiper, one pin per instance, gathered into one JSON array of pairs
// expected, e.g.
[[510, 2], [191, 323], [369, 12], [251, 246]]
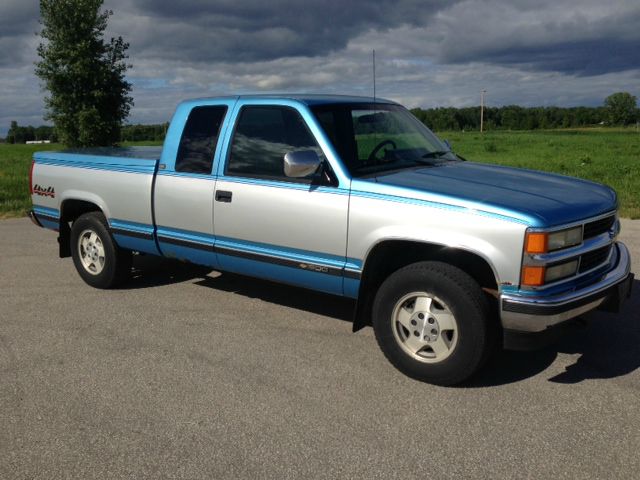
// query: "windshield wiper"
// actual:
[[436, 154]]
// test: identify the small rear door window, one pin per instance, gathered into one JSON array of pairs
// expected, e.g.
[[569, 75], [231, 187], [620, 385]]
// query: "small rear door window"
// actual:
[[199, 139]]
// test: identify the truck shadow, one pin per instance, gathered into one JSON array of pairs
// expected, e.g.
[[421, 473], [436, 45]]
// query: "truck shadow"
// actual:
[[149, 271], [606, 348], [293, 297]]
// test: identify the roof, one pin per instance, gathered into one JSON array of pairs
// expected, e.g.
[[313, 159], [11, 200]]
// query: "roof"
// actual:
[[306, 98]]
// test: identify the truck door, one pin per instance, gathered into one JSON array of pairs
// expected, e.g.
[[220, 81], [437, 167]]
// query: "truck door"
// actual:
[[292, 230], [183, 196]]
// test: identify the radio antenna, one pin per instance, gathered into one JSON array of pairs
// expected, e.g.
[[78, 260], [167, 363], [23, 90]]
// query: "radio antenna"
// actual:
[[375, 141], [374, 78]]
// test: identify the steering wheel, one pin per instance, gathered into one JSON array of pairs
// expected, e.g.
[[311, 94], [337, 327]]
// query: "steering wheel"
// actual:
[[378, 147]]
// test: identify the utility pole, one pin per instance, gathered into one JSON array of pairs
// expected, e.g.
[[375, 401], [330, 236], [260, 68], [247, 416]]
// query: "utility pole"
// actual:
[[482, 92]]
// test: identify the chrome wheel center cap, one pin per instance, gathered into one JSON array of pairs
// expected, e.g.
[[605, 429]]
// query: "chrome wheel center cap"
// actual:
[[426, 327]]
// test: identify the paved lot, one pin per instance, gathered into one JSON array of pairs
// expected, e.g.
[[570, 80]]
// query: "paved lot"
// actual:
[[189, 374]]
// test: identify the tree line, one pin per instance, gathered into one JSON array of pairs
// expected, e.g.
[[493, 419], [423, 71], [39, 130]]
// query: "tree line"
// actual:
[[128, 133], [619, 109], [18, 134]]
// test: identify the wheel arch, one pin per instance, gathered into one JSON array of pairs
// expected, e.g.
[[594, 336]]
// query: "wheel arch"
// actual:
[[387, 256], [70, 209]]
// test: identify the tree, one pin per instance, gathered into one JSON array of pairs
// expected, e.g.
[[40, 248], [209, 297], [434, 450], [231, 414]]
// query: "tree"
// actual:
[[11, 134], [621, 108], [85, 76]]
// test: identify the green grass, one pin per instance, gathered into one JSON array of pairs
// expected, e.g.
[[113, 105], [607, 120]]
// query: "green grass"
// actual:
[[15, 161], [610, 156]]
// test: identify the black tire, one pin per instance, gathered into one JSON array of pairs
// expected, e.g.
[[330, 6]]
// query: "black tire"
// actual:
[[112, 265], [453, 293]]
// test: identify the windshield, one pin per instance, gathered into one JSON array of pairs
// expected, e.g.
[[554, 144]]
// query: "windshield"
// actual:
[[377, 138]]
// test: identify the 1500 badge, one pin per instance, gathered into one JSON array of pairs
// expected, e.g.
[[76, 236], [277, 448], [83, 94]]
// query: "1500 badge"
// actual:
[[315, 268], [44, 192]]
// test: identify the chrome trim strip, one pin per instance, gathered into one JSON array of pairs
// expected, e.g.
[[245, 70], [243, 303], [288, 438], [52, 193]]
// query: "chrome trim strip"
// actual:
[[529, 322], [573, 224], [560, 256]]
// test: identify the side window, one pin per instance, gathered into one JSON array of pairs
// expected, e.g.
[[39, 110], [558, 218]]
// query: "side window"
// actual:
[[263, 136], [199, 139]]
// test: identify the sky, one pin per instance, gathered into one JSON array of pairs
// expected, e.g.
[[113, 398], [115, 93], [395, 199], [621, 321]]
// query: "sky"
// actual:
[[429, 53]]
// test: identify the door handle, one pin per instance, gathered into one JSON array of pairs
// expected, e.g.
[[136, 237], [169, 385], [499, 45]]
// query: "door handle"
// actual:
[[223, 196]]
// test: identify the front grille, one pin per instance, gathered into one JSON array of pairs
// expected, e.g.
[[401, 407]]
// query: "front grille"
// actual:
[[597, 227], [594, 258]]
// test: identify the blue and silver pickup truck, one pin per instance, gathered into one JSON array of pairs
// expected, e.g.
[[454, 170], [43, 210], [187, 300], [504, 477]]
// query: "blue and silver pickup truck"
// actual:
[[448, 259]]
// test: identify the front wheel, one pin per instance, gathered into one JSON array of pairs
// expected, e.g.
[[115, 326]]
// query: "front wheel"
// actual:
[[97, 258], [432, 322]]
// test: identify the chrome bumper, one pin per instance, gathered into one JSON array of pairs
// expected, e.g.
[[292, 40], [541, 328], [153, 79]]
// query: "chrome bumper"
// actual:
[[34, 219], [535, 314]]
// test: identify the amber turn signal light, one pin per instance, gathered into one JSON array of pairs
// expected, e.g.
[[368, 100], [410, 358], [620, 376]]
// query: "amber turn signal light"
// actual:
[[533, 276], [536, 242]]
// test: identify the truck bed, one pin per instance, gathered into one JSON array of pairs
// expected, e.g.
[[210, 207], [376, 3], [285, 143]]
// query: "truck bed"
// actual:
[[118, 180]]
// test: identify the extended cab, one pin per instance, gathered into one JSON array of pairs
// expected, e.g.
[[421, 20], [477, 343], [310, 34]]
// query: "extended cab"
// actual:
[[354, 197]]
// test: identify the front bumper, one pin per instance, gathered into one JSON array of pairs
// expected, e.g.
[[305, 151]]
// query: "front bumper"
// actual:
[[522, 313]]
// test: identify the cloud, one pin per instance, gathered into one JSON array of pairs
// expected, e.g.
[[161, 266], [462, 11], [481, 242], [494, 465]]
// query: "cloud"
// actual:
[[588, 38], [429, 53], [247, 31]]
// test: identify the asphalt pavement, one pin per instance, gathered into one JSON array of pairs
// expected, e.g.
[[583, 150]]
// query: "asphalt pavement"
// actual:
[[186, 373]]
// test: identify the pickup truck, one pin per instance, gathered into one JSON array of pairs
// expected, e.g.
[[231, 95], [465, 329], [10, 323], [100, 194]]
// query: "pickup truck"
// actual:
[[447, 259]]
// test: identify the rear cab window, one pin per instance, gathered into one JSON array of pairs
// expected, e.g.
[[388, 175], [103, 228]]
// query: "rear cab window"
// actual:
[[199, 139]]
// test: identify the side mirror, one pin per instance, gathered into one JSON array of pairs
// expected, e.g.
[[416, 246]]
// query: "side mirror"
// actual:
[[301, 163]]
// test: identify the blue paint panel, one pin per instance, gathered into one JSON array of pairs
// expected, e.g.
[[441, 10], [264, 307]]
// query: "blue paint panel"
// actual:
[[193, 255], [199, 176], [294, 254], [287, 185], [201, 256], [351, 287], [189, 235], [399, 196], [132, 242], [52, 212], [137, 244], [538, 199], [96, 162], [49, 224], [132, 226], [279, 273]]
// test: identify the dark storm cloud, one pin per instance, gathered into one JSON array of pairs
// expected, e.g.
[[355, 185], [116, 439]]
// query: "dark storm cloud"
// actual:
[[577, 38], [586, 58], [197, 30], [18, 24]]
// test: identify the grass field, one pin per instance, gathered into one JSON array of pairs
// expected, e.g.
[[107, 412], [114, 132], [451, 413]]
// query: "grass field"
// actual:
[[610, 156]]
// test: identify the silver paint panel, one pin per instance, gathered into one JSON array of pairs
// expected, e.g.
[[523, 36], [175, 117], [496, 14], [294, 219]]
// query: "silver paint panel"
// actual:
[[120, 195], [497, 240], [304, 219], [185, 203]]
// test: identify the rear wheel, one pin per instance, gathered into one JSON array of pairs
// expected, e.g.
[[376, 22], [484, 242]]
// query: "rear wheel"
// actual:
[[96, 256], [432, 322]]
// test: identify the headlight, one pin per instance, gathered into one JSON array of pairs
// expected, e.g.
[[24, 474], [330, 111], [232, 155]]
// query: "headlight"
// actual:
[[565, 238], [543, 242], [536, 276], [563, 270]]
